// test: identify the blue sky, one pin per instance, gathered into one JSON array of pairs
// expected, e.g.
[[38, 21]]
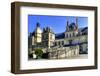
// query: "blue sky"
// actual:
[[57, 23]]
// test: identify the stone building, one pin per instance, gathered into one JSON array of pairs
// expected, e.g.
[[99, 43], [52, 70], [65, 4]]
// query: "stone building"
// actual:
[[73, 35], [36, 37], [64, 52], [71, 42], [48, 37]]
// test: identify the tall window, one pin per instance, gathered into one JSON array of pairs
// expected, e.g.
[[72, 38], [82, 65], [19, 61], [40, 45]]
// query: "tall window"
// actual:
[[74, 53], [70, 41], [55, 43], [66, 35], [62, 42], [59, 42], [50, 36]]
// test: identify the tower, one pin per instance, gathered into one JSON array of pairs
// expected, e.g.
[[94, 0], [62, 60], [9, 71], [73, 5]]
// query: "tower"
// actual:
[[38, 33], [48, 37]]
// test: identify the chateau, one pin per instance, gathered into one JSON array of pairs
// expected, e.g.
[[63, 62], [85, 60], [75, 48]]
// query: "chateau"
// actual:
[[71, 42]]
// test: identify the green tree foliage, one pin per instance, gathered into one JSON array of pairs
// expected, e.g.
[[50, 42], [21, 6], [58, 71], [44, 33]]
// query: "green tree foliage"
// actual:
[[39, 53]]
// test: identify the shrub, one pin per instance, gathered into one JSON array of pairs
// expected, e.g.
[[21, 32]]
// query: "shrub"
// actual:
[[39, 53]]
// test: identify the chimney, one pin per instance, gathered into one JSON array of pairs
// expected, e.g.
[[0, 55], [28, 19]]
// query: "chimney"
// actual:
[[67, 27], [67, 23], [76, 22]]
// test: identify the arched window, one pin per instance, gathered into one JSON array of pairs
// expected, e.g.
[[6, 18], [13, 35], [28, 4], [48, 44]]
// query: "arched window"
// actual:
[[66, 35], [59, 42]]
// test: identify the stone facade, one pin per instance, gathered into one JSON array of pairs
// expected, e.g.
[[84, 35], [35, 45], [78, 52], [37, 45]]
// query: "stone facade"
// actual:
[[70, 43], [48, 37], [64, 52]]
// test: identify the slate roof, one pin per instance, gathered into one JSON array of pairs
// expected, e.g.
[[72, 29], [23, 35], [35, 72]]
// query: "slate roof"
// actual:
[[47, 29], [83, 31], [72, 26], [33, 33], [74, 44], [60, 36]]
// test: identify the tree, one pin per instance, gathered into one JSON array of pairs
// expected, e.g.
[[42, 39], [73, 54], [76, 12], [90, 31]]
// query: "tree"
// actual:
[[39, 53]]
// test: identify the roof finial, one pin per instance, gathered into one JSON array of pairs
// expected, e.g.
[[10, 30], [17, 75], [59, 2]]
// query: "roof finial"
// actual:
[[67, 27], [37, 24], [67, 23], [76, 21]]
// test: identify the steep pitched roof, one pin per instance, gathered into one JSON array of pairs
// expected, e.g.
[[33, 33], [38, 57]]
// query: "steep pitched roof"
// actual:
[[72, 27], [60, 36], [47, 29], [83, 31], [74, 44]]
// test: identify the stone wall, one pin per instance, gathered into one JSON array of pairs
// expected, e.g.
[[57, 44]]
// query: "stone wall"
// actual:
[[63, 52]]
